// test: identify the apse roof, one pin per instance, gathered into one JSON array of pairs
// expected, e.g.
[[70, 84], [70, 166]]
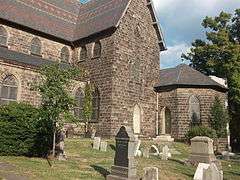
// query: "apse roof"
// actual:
[[185, 76]]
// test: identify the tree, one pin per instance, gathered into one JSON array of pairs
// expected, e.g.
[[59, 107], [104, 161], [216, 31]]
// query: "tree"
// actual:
[[56, 100], [219, 55], [219, 118]]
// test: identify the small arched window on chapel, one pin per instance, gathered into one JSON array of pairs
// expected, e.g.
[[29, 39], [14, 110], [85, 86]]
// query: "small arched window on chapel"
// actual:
[[36, 47], [97, 50], [194, 110], [8, 90], [65, 55], [95, 105], [83, 54], [3, 36], [78, 109]]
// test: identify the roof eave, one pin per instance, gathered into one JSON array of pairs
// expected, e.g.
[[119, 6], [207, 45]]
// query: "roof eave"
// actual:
[[161, 42], [163, 88]]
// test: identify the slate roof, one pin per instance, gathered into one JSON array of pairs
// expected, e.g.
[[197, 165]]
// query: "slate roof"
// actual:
[[24, 59], [65, 19], [183, 76]]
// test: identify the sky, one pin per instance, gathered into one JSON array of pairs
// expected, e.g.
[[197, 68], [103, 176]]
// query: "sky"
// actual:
[[181, 24]]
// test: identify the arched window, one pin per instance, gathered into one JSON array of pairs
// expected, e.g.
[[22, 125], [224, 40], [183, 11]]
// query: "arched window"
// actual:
[[194, 110], [97, 49], [83, 54], [65, 55], [135, 71], [3, 36], [8, 90], [78, 109], [95, 105], [36, 47]]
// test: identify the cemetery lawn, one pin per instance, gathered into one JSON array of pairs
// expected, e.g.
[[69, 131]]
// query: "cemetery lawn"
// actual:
[[85, 163]]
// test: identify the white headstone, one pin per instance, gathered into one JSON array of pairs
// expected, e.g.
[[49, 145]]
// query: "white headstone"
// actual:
[[103, 146], [96, 143], [145, 152], [165, 153], [199, 172], [150, 173], [93, 134], [139, 153], [138, 143], [212, 173]]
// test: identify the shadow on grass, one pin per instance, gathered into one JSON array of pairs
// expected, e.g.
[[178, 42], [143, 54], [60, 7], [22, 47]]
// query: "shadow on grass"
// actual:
[[104, 172], [112, 147]]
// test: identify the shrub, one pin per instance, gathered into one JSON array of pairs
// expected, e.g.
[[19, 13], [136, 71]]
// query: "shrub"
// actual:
[[200, 131], [22, 132], [219, 118]]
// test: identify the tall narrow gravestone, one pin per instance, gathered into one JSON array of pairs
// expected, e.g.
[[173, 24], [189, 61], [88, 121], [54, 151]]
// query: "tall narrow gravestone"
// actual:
[[124, 167]]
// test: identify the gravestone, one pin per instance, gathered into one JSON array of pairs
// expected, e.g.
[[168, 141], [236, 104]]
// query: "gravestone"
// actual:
[[96, 143], [165, 153], [201, 150], [103, 146], [212, 173], [61, 153], [145, 152], [199, 171], [93, 134], [137, 146], [124, 167], [150, 173], [154, 150]]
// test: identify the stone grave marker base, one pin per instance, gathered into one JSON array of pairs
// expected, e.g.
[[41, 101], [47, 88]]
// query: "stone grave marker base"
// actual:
[[122, 173]]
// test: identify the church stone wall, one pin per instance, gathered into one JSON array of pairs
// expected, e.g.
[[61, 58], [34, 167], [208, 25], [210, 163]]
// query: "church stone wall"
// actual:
[[100, 72], [20, 41], [178, 102], [25, 78], [168, 100], [135, 70]]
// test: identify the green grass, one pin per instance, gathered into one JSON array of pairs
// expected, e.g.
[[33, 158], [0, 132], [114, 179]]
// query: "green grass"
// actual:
[[85, 163]]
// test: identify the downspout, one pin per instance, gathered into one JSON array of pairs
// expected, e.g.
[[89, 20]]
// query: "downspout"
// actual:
[[157, 116]]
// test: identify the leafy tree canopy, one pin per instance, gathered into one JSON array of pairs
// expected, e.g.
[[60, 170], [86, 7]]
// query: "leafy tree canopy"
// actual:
[[219, 54]]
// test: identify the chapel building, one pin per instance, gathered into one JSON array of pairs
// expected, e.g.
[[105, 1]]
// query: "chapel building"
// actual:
[[117, 41]]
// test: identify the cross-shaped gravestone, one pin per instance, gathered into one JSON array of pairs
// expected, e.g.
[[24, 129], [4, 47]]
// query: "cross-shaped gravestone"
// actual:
[[124, 167]]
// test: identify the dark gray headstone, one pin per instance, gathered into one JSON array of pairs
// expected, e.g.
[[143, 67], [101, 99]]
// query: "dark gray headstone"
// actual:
[[124, 167]]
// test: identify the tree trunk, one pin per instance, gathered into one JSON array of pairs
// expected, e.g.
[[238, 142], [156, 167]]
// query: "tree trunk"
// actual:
[[54, 141]]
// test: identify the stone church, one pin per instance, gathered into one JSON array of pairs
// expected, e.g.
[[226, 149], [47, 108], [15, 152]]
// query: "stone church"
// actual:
[[117, 41]]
